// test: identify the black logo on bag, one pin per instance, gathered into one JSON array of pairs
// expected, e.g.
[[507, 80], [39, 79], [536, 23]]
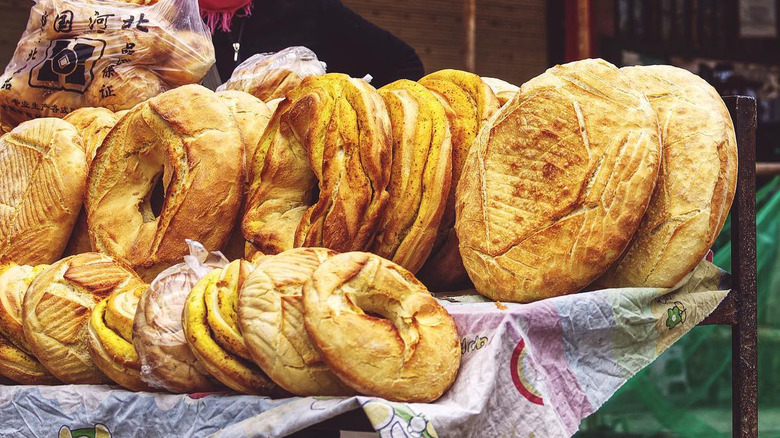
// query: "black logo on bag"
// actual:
[[63, 22], [68, 64]]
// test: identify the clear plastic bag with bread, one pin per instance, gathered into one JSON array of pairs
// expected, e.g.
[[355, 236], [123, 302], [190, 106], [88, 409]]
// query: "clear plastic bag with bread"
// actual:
[[108, 53], [158, 334], [269, 76]]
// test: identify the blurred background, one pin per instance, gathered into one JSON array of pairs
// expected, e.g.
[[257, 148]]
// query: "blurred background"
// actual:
[[733, 44]]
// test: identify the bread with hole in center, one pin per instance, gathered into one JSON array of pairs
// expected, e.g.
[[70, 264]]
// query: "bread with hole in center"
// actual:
[[379, 330], [320, 173], [166, 172]]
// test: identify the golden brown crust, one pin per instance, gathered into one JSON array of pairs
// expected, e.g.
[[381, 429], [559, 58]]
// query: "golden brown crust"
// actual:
[[696, 183], [93, 124], [21, 367], [419, 177], [112, 352], [469, 103], [333, 129], [162, 141], [270, 315], [210, 326], [121, 309], [57, 308], [14, 281], [503, 90], [252, 116], [557, 183], [124, 89], [43, 171], [409, 353]]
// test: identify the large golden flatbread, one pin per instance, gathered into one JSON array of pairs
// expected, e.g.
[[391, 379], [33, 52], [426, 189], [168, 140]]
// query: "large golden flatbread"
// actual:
[[556, 183]]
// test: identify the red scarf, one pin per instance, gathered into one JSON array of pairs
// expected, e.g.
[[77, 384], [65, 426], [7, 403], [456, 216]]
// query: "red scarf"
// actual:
[[219, 13]]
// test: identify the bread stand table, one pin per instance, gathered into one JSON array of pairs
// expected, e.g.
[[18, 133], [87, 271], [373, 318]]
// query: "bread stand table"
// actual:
[[537, 368], [737, 310]]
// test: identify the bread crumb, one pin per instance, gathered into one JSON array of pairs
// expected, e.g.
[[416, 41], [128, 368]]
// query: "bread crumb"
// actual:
[[501, 306]]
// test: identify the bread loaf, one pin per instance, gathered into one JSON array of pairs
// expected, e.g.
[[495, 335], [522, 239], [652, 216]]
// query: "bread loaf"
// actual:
[[696, 182], [379, 330], [158, 335], [16, 358], [270, 315], [209, 322], [469, 103], [252, 116], [419, 177], [93, 124], [191, 58], [334, 130], [110, 338], [14, 281], [43, 170], [150, 186], [556, 183], [57, 309], [21, 367]]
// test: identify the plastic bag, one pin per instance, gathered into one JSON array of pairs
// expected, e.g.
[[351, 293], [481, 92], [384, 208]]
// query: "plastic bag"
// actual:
[[269, 76], [108, 53], [158, 334]]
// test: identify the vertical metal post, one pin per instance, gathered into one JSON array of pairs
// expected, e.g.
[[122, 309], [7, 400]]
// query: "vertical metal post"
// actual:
[[743, 268]]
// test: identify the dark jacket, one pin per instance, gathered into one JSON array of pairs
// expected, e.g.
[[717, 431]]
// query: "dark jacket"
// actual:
[[341, 38]]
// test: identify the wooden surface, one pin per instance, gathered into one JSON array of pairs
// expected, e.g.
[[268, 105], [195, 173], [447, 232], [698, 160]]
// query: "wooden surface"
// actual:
[[470, 34], [511, 36]]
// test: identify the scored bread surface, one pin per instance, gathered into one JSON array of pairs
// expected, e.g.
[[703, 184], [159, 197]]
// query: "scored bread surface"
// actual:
[[178, 146], [696, 183], [469, 103], [43, 171], [270, 314], [332, 133], [557, 182], [14, 281], [419, 177], [57, 308], [379, 330]]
